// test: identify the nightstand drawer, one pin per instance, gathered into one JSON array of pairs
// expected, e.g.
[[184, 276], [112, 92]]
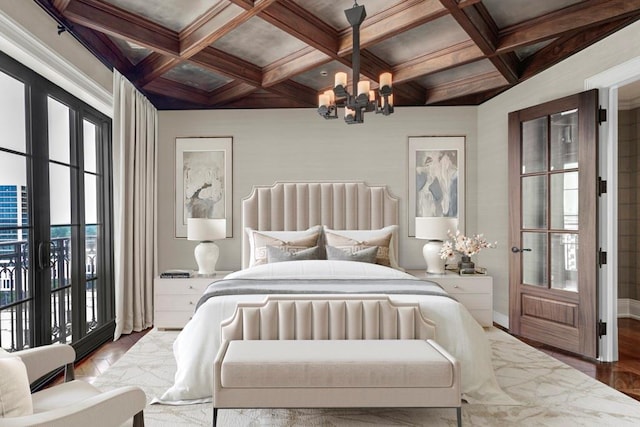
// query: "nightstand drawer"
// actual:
[[177, 302], [466, 286], [179, 286], [173, 319]]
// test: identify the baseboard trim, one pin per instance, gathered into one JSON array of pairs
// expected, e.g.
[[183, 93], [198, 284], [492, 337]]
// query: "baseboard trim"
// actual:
[[501, 319], [628, 307]]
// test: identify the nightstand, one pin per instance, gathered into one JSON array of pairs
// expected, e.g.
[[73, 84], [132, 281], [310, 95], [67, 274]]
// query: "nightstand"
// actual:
[[174, 300], [475, 292]]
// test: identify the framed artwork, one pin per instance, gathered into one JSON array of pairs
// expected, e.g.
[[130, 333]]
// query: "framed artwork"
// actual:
[[436, 178], [203, 181]]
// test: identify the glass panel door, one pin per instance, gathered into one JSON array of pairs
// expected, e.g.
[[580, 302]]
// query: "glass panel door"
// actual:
[[16, 297]]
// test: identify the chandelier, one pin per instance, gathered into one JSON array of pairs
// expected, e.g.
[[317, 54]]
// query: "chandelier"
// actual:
[[361, 99]]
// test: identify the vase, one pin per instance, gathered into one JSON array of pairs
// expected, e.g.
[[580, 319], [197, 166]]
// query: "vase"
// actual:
[[466, 266]]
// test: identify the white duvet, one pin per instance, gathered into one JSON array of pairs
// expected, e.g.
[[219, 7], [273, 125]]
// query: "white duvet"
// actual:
[[456, 330]]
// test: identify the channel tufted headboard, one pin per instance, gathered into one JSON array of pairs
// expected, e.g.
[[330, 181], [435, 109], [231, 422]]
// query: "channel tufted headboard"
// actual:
[[291, 206]]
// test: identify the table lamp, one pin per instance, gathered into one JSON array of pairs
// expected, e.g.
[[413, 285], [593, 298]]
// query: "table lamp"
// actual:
[[206, 231], [435, 230]]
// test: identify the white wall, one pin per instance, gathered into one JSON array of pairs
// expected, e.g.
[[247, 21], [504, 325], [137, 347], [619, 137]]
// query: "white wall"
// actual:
[[563, 79], [298, 145]]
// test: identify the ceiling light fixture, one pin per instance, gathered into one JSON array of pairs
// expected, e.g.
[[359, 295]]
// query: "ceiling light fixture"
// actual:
[[362, 99]]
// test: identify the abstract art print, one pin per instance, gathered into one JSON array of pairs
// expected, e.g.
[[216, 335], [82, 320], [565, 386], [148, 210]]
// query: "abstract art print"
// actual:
[[203, 181], [436, 179]]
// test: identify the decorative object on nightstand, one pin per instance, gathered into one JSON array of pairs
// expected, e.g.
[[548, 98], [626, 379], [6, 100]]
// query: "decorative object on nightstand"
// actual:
[[206, 231], [465, 247], [435, 230]]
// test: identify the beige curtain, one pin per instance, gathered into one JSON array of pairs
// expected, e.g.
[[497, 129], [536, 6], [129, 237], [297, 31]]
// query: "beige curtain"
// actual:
[[135, 135]]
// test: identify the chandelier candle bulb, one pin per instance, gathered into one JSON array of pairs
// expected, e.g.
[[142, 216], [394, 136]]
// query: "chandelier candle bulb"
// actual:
[[331, 95], [363, 87], [372, 96], [349, 112], [385, 80], [323, 100], [341, 79], [384, 100]]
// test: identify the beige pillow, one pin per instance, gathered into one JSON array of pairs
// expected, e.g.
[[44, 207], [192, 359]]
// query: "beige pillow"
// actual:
[[261, 241], [15, 394], [352, 246]]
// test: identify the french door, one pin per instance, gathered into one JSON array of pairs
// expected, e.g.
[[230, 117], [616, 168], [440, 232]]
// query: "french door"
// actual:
[[55, 192], [553, 265]]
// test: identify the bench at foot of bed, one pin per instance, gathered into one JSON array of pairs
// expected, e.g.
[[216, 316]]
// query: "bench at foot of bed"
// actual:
[[371, 370]]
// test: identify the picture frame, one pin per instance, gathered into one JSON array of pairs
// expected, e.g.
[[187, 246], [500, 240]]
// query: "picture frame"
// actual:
[[203, 186], [436, 178]]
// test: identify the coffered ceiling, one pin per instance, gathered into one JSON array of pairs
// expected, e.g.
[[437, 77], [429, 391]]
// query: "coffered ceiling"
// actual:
[[283, 53]]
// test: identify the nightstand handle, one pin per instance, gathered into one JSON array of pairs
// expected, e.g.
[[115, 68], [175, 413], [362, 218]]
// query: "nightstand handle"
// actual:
[[456, 286], [190, 286]]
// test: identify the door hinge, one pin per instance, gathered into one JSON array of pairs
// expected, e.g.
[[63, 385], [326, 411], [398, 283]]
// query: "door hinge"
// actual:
[[602, 115], [602, 257], [602, 328], [602, 186]]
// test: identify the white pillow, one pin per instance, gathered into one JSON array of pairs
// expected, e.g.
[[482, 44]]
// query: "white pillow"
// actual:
[[285, 236], [374, 234], [15, 394]]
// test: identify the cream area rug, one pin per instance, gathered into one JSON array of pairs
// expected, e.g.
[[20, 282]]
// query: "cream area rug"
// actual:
[[550, 392]]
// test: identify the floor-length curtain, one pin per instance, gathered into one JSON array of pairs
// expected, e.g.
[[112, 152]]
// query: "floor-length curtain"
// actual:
[[135, 135]]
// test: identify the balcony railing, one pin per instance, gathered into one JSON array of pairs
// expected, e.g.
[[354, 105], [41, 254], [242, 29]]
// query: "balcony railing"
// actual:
[[16, 298]]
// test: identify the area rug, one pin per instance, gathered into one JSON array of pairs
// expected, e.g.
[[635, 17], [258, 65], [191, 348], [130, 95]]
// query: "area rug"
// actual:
[[551, 393]]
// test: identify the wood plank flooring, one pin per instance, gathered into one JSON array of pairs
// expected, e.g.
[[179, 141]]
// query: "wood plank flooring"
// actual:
[[623, 375]]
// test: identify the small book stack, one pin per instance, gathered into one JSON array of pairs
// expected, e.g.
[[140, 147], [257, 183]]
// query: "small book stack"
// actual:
[[176, 274]]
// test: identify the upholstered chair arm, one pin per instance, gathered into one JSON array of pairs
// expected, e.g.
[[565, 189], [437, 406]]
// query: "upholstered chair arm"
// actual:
[[42, 360], [108, 409]]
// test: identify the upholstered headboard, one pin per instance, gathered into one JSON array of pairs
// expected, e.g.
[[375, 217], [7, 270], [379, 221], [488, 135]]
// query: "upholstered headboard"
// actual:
[[291, 206]]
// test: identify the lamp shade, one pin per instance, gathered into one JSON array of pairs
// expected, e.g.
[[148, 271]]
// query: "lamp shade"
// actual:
[[435, 228], [205, 229]]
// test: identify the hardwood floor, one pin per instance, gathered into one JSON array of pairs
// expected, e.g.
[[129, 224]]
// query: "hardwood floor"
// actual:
[[623, 375]]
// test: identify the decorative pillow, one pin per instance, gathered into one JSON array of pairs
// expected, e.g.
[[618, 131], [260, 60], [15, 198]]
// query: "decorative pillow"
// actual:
[[365, 255], [350, 245], [276, 254], [369, 235], [261, 240], [15, 394]]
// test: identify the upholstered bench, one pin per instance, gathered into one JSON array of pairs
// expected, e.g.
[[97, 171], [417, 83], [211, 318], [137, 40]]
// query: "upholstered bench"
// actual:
[[324, 352]]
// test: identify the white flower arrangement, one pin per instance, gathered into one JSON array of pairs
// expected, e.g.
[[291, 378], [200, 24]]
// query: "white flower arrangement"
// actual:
[[467, 246]]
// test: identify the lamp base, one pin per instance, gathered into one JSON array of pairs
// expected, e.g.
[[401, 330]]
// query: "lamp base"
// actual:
[[431, 253], [207, 254]]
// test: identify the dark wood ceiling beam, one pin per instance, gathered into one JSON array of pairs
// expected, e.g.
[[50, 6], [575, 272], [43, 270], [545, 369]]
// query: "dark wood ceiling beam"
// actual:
[[215, 24], [483, 32], [466, 3], [112, 20], [177, 90], [60, 5], [303, 94], [566, 46], [266, 100], [301, 24], [294, 64], [228, 65], [230, 92], [104, 48], [450, 57], [463, 87], [245, 4], [154, 66], [386, 24], [558, 23]]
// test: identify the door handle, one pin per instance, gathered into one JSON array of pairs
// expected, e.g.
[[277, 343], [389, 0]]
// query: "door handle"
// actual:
[[516, 249]]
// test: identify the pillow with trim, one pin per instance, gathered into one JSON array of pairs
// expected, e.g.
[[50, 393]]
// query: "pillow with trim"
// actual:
[[367, 235], [350, 245], [277, 254], [15, 394], [364, 255], [262, 240]]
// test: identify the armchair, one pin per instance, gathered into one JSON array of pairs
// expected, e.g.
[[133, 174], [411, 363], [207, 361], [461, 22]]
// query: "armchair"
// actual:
[[72, 403]]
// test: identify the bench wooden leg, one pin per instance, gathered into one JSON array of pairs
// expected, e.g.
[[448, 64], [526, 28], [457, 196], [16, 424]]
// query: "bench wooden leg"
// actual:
[[215, 416], [459, 415], [138, 419]]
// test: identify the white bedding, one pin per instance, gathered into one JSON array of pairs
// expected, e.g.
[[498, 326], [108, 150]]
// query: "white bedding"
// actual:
[[456, 330]]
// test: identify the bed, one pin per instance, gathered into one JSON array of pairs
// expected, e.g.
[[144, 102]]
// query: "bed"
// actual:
[[337, 214]]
